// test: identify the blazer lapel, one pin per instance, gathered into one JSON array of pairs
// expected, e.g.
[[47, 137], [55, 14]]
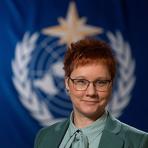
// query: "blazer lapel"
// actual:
[[57, 135], [110, 136]]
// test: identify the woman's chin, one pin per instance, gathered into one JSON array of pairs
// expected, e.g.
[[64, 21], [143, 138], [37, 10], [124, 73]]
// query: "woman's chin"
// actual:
[[92, 113]]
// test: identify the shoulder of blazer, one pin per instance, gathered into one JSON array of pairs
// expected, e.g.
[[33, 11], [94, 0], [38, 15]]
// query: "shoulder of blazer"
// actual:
[[130, 136], [57, 127], [134, 136], [51, 135]]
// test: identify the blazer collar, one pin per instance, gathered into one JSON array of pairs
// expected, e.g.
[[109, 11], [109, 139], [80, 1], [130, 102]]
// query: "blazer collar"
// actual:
[[60, 132], [56, 134], [110, 136]]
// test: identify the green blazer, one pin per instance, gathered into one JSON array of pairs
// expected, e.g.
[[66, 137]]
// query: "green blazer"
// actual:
[[115, 135]]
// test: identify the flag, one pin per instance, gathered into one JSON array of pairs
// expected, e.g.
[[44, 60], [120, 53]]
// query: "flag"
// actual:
[[33, 39]]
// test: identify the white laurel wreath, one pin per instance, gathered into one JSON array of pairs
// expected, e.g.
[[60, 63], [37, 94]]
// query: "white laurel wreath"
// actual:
[[39, 110], [125, 83], [28, 98]]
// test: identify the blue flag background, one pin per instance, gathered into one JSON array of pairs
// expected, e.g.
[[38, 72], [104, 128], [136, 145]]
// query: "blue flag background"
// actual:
[[124, 25]]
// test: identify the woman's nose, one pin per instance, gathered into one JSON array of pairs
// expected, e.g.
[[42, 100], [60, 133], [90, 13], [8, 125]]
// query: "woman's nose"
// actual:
[[91, 90]]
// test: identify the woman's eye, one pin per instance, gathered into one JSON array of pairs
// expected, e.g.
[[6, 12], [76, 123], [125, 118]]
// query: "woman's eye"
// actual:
[[101, 82], [81, 82]]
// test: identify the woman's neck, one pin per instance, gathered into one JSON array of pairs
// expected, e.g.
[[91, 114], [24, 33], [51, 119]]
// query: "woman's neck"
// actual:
[[81, 121]]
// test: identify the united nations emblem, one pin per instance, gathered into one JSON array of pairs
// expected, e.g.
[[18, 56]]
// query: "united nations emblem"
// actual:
[[38, 75]]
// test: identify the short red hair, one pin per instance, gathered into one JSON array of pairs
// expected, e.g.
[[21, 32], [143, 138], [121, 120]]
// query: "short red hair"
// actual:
[[88, 51]]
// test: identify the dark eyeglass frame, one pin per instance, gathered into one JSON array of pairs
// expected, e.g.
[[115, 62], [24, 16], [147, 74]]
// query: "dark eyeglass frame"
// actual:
[[103, 84]]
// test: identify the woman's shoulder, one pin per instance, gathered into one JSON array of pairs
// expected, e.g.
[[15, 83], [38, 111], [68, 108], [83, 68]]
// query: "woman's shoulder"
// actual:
[[114, 123], [54, 127], [134, 136], [131, 135], [132, 130], [51, 132]]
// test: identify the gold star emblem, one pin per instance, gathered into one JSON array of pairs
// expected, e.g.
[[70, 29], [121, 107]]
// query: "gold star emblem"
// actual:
[[72, 28]]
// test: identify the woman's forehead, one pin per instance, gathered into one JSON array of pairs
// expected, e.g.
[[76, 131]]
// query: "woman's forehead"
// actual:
[[96, 70]]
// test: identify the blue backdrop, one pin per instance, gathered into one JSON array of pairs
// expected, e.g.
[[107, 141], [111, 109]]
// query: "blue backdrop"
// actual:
[[33, 38]]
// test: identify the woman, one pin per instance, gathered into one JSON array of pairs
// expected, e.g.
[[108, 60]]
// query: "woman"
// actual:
[[90, 68]]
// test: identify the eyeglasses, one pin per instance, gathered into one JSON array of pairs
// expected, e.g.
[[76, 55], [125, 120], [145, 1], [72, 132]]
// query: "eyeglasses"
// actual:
[[82, 84]]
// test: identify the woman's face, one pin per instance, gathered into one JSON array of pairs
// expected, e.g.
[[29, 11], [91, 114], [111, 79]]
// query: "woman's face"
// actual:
[[89, 103]]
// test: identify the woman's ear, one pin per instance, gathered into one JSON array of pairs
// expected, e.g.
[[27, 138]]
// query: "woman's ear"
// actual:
[[66, 84]]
